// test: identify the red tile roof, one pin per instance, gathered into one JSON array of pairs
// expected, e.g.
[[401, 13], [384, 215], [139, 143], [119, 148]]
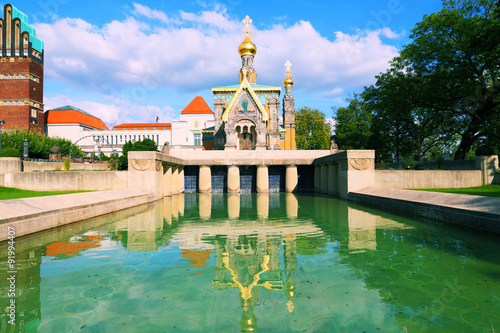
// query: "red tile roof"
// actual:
[[143, 126], [197, 106], [74, 116]]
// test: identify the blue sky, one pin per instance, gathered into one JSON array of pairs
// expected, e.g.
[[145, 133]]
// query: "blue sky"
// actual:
[[130, 61]]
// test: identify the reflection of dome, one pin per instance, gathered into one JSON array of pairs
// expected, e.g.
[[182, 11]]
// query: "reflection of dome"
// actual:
[[247, 47], [288, 81], [248, 322]]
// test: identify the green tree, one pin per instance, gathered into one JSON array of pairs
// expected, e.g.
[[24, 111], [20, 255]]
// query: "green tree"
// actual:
[[39, 145], [352, 124], [144, 145], [312, 130], [452, 70]]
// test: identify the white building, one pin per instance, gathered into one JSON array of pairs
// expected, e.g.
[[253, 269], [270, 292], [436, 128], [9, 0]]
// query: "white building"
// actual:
[[93, 136], [195, 117]]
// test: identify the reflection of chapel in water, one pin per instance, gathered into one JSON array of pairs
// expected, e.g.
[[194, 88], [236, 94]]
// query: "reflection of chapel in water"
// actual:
[[252, 262], [247, 114]]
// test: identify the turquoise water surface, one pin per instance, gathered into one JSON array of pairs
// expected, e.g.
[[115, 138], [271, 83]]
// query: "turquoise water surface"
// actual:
[[254, 262]]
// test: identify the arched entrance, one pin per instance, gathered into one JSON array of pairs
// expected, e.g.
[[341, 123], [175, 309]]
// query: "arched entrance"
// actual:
[[246, 141], [246, 136]]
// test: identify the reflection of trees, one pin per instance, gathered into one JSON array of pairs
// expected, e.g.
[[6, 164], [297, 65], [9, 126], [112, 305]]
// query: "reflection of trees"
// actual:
[[28, 312]]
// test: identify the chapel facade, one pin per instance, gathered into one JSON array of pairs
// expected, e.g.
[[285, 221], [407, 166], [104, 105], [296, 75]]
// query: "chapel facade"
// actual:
[[247, 115]]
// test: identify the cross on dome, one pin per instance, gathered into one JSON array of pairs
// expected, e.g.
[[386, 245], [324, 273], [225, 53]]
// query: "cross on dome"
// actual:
[[288, 66], [247, 21]]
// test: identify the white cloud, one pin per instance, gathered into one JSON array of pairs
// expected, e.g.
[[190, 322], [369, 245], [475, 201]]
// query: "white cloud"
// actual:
[[150, 13], [199, 50]]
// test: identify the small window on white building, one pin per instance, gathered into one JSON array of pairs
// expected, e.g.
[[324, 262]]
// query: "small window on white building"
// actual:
[[197, 139]]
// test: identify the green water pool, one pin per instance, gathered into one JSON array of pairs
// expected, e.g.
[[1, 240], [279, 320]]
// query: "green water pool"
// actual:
[[253, 262]]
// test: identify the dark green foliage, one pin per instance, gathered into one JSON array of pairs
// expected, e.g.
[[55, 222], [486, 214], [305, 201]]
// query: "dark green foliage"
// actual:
[[486, 151], [144, 145], [312, 130], [443, 91], [9, 152], [353, 125], [38, 145]]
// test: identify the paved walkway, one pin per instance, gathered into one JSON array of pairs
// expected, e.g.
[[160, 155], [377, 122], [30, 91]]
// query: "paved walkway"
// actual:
[[470, 210], [35, 214]]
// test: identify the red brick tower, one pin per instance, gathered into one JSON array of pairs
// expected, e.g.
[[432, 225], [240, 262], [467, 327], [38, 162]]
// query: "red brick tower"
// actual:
[[21, 72]]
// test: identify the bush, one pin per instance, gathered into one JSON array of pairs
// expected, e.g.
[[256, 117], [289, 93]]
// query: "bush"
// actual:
[[144, 145], [113, 163], [39, 145], [67, 163], [9, 152], [410, 164], [486, 151]]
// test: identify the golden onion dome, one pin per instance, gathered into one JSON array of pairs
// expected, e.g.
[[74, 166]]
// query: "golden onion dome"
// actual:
[[288, 81], [247, 47]]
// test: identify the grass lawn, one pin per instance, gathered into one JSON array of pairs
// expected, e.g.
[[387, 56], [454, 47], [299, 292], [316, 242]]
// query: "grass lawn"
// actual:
[[7, 193], [488, 190]]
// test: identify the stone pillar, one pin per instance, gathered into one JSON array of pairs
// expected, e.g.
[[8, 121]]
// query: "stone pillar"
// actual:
[[489, 167], [233, 179], [180, 180], [233, 205], [262, 179], [292, 205], [205, 179], [262, 205], [333, 170], [205, 204], [167, 180], [291, 178], [317, 178], [145, 173], [175, 179], [324, 178], [356, 170]]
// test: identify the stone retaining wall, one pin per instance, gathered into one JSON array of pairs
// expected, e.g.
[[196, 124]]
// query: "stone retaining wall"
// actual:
[[29, 166], [407, 179], [67, 180]]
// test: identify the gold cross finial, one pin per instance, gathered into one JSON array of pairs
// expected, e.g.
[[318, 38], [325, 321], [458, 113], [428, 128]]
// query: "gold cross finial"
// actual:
[[288, 66], [247, 21]]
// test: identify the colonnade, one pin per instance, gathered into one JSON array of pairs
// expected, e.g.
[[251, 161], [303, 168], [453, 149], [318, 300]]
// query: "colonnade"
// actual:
[[173, 180], [335, 174], [327, 178], [233, 179]]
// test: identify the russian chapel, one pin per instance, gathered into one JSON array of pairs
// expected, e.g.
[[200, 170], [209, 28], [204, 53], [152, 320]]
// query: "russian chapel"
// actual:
[[247, 115]]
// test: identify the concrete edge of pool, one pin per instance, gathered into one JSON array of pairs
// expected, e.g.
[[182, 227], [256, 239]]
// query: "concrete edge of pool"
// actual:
[[473, 211], [31, 215]]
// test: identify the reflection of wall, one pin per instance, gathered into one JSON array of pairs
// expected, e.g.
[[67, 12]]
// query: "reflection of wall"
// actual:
[[144, 229], [362, 230]]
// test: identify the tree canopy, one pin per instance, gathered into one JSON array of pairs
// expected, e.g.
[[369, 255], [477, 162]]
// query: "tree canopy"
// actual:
[[39, 145], [352, 124], [312, 130], [443, 89]]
